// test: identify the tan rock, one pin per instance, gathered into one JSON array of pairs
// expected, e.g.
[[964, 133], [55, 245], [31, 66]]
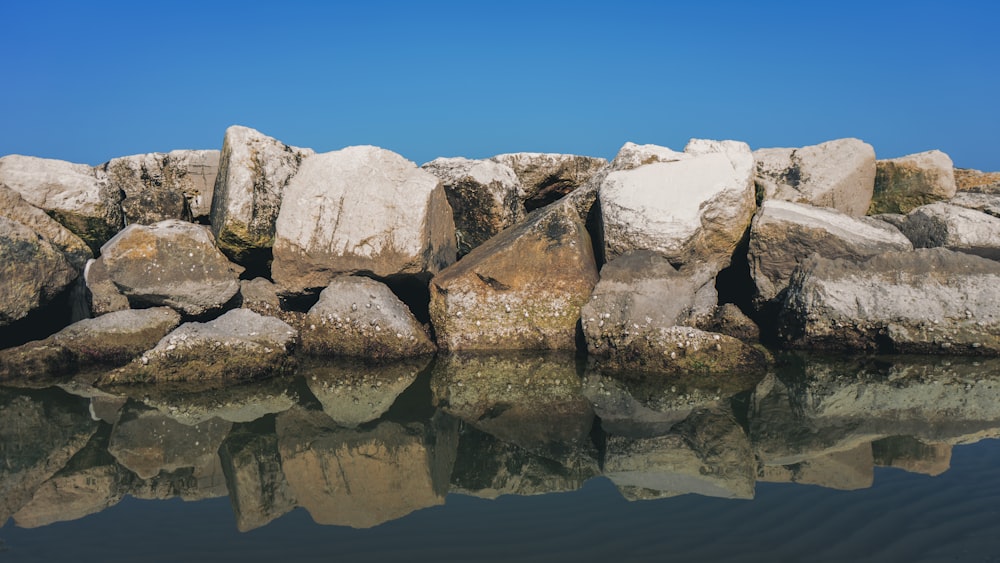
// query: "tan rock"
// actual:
[[905, 183]]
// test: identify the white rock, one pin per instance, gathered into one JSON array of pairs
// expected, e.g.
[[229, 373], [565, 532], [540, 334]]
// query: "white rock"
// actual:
[[954, 227]]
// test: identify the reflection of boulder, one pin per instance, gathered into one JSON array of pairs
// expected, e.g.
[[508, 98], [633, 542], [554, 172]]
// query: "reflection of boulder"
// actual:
[[257, 487], [910, 454], [844, 470], [361, 478], [707, 454], [353, 393]]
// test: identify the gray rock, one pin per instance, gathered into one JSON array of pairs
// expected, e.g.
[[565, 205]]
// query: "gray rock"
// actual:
[[728, 319], [905, 183], [158, 186], [32, 271], [103, 296], [353, 393], [13, 207], [546, 177], [955, 228], [985, 202], [260, 295], [838, 174]]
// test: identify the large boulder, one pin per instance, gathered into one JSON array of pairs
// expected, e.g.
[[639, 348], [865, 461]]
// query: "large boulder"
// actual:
[[695, 208], [905, 183], [361, 317], [254, 170], [923, 301], [783, 234], [839, 174], [407, 226], [172, 263], [158, 186], [953, 227], [13, 207], [985, 202], [485, 198], [522, 289], [546, 177], [968, 180], [76, 195], [32, 271]]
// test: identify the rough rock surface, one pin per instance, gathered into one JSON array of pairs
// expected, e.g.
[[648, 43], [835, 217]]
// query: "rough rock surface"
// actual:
[[361, 317], [172, 263], [485, 197], [968, 180], [13, 207], [985, 202], [254, 170], [158, 186], [523, 289], [260, 295], [783, 234], [408, 227], [728, 319], [32, 271], [238, 346], [546, 177], [103, 295], [76, 195], [905, 183], [838, 174], [953, 227], [697, 207], [925, 301], [352, 393]]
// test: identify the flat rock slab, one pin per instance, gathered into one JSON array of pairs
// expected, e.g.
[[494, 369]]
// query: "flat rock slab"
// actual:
[[905, 183]]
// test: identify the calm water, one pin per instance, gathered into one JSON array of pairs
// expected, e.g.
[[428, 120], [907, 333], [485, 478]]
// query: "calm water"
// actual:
[[528, 458]]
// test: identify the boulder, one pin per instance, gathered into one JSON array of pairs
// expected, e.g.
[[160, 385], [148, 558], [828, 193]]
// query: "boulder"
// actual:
[[76, 195], [728, 319], [238, 346], [953, 227], [13, 207], [783, 234], [260, 295], [172, 263], [361, 317], [353, 393], [546, 177], [522, 289], [838, 174], [158, 186], [905, 183], [485, 197], [254, 170], [407, 228], [985, 202], [933, 301], [968, 180], [32, 271], [695, 208], [103, 296]]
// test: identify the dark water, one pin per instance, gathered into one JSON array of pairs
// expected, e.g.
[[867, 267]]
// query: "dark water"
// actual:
[[527, 458]]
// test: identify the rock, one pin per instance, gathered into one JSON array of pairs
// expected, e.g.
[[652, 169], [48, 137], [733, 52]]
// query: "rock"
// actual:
[[408, 227], [695, 208], [987, 203], [238, 346], [955, 228], [968, 180], [32, 271], [76, 195], [361, 317], [912, 455], [260, 295], [159, 186], [103, 296], [783, 234], [254, 170], [728, 319], [546, 177], [485, 197], [172, 263], [257, 487], [848, 470], [932, 301], [522, 289], [13, 207], [905, 183], [838, 174]]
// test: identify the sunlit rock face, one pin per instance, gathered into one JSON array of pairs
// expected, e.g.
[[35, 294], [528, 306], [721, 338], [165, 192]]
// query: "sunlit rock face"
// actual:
[[905, 183], [257, 486], [953, 227], [158, 186], [546, 177], [32, 271], [353, 393], [976, 181], [987, 203], [407, 228], [838, 174], [14, 207]]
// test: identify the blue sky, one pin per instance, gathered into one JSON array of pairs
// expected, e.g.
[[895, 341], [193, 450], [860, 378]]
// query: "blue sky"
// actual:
[[88, 81]]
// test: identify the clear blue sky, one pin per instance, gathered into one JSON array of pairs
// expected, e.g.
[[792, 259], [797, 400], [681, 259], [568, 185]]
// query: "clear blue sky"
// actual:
[[88, 81]]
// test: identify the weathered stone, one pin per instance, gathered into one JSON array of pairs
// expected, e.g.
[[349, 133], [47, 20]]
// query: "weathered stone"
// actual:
[[847, 470], [905, 183], [257, 487], [985, 202], [32, 271], [968, 180], [909, 454], [953, 227], [238, 346], [838, 174], [260, 295], [13, 207], [783, 234], [522, 289], [728, 319], [158, 186], [546, 177], [632, 156], [361, 317], [932, 301], [408, 227], [695, 208], [76, 195], [172, 263], [103, 296], [352, 393], [254, 170]]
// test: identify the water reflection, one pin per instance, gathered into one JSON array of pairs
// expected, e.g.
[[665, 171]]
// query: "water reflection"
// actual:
[[358, 445]]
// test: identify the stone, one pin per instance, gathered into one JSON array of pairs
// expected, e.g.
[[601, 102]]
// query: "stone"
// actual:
[[926, 301], [103, 296], [783, 234], [353, 393], [32, 271], [522, 289], [968, 180], [172, 263], [485, 197], [159, 186], [546, 177], [76, 195], [408, 228], [238, 346], [953, 227], [839, 174], [13, 207], [728, 319], [260, 295], [361, 317], [905, 183], [985, 202], [254, 171], [696, 208], [257, 487]]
